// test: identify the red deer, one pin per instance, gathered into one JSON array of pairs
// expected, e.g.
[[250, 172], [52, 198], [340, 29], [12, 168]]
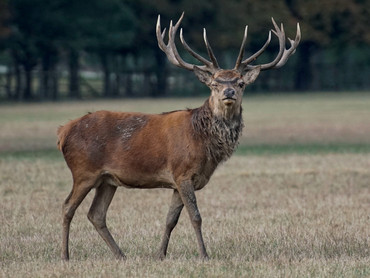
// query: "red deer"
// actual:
[[177, 150]]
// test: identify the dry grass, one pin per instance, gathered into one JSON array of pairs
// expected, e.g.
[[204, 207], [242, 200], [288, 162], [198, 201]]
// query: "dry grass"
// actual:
[[281, 215], [291, 119], [263, 217], [308, 119]]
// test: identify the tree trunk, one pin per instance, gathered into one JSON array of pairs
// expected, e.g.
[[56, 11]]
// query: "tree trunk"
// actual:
[[18, 82], [117, 76], [54, 83], [107, 90], [27, 92], [44, 76], [17, 75], [74, 68], [117, 84], [161, 73], [303, 78], [8, 84], [128, 84]]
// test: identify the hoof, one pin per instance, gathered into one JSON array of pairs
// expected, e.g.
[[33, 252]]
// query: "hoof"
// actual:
[[121, 257], [160, 256], [205, 258]]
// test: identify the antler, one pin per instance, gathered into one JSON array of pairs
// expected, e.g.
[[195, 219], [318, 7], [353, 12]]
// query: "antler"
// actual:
[[280, 59], [172, 53]]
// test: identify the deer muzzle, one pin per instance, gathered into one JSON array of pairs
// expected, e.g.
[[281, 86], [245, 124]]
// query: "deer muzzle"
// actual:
[[229, 96]]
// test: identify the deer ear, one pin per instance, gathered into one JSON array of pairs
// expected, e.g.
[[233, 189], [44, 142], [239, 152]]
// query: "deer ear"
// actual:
[[203, 76], [251, 75]]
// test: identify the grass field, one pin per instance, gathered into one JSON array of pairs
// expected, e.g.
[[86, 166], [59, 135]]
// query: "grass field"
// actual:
[[293, 201]]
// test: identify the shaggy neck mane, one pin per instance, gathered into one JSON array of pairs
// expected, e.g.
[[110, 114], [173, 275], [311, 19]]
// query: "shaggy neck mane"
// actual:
[[220, 135]]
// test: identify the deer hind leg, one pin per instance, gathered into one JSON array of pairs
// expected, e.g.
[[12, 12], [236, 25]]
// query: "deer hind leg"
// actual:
[[97, 215], [171, 221], [187, 194], [74, 199]]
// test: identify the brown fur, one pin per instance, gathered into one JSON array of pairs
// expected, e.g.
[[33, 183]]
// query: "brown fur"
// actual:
[[167, 148], [178, 150]]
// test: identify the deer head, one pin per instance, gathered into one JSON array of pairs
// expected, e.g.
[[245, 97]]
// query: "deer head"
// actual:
[[227, 86]]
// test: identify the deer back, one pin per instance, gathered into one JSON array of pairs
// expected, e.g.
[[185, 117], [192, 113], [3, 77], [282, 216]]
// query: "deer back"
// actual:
[[140, 150]]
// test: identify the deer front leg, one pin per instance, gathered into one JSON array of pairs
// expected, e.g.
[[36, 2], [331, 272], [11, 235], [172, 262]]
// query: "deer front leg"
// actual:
[[187, 194], [171, 221]]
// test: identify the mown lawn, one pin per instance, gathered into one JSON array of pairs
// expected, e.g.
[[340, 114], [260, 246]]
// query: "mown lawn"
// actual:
[[293, 201]]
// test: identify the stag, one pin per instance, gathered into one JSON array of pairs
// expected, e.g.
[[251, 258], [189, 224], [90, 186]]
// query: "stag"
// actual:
[[177, 150]]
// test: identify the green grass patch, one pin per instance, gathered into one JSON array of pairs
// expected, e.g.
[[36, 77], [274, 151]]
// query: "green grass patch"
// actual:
[[309, 148], [47, 154], [54, 154]]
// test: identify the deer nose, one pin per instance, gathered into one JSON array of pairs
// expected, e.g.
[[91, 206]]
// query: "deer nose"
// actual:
[[229, 92]]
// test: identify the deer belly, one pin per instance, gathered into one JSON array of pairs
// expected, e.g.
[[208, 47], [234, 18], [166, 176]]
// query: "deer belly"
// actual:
[[138, 180]]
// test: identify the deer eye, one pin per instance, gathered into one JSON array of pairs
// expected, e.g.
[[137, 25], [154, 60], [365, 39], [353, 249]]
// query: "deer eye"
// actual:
[[241, 84]]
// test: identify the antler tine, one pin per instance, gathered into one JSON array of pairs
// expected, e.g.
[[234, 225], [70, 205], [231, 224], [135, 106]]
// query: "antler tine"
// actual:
[[258, 53], [209, 49], [283, 54], [212, 66], [241, 51], [170, 48], [279, 32], [192, 52], [160, 35], [293, 45], [173, 55], [171, 41]]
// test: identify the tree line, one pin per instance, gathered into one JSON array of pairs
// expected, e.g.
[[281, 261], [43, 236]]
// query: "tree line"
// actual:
[[67, 49]]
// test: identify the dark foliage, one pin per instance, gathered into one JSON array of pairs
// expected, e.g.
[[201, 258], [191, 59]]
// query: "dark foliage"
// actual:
[[108, 48]]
